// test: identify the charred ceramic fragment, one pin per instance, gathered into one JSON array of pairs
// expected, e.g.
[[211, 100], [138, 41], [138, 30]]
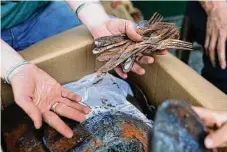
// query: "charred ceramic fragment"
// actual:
[[177, 128]]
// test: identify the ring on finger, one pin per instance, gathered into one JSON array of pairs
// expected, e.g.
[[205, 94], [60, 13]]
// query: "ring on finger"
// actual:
[[53, 107]]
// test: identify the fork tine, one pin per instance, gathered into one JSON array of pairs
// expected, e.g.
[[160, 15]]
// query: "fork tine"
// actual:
[[158, 17], [151, 19], [155, 18], [179, 45], [176, 46], [170, 33], [178, 41]]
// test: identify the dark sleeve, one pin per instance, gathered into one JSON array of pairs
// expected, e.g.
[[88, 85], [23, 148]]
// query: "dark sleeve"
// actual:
[[196, 15]]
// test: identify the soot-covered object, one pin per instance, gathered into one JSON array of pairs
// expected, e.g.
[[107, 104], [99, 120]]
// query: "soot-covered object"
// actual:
[[107, 132], [177, 128]]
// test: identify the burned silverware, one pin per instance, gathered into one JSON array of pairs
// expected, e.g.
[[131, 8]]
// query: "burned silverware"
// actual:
[[120, 50]]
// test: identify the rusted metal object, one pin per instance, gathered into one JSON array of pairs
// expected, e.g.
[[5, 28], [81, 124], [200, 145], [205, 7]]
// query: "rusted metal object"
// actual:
[[30, 142], [178, 128], [105, 132], [120, 50]]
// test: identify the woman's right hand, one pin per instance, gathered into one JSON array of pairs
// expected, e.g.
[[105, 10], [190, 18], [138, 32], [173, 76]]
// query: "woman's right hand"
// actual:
[[36, 92], [217, 138]]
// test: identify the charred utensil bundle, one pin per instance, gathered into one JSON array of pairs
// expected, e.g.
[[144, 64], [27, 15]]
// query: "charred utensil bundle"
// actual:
[[120, 50]]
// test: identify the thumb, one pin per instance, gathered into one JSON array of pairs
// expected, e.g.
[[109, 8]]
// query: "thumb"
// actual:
[[217, 138], [129, 29], [32, 111]]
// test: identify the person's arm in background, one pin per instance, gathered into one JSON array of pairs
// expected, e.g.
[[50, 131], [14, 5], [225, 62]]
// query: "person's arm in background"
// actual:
[[35, 92], [218, 138], [216, 32], [94, 17]]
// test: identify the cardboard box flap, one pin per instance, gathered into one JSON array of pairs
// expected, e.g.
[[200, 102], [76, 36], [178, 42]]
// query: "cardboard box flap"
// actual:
[[169, 78]]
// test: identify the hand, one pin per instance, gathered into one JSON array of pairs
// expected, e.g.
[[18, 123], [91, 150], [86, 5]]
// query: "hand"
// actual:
[[216, 35], [217, 138], [35, 92], [120, 26]]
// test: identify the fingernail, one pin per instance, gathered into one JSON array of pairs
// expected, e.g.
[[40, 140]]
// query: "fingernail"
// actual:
[[140, 38], [150, 61], [86, 110], [124, 76], [79, 98], [70, 135], [37, 126], [209, 143], [223, 66], [142, 72]]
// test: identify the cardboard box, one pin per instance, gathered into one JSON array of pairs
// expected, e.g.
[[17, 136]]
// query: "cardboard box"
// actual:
[[68, 57]]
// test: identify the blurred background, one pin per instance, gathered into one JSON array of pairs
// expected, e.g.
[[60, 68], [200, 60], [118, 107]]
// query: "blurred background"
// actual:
[[172, 11]]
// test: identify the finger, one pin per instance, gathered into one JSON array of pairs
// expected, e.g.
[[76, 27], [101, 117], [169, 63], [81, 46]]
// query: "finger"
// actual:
[[70, 95], [69, 112], [206, 46], [137, 69], [120, 72], [161, 52], [157, 52], [217, 138], [32, 111], [212, 47], [145, 60], [129, 29], [221, 50], [75, 105], [211, 118], [208, 36], [54, 121]]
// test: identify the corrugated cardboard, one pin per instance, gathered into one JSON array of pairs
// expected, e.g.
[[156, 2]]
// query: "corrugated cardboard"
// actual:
[[68, 57]]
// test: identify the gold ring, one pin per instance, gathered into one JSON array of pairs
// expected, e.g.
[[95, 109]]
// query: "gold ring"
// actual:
[[53, 107]]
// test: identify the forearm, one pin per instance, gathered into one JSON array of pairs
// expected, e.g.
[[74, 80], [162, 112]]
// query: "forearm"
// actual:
[[92, 15], [9, 58], [208, 6]]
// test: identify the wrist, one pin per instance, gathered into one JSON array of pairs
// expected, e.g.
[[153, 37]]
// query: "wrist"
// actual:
[[100, 30], [93, 15], [210, 6], [20, 71]]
